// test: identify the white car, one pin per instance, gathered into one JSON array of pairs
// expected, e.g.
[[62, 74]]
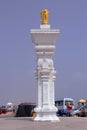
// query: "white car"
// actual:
[[9, 107], [79, 111]]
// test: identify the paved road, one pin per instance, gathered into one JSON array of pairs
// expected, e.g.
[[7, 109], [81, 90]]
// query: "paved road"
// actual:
[[66, 123]]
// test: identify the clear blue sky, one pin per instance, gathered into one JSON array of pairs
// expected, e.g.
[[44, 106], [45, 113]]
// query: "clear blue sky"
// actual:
[[17, 54]]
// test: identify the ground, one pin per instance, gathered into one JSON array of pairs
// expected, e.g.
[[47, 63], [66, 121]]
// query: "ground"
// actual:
[[66, 123]]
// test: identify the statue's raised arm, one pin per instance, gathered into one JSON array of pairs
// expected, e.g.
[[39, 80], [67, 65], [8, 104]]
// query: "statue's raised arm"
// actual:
[[44, 16]]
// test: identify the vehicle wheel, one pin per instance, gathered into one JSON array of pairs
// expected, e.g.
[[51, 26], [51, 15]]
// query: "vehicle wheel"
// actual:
[[76, 115], [68, 114]]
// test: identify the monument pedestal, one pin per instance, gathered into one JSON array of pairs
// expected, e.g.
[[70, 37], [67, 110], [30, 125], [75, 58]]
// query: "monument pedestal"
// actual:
[[44, 40]]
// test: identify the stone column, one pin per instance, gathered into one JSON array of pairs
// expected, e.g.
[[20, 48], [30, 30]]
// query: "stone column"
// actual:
[[44, 40]]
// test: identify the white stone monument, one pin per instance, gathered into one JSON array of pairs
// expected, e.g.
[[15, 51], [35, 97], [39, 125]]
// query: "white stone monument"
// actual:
[[44, 40]]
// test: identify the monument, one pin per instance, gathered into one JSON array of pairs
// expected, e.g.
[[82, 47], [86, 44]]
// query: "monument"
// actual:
[[44, 40]]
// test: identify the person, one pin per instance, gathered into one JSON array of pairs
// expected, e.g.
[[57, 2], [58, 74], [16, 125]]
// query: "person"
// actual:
[[69, 107], [14, 110]]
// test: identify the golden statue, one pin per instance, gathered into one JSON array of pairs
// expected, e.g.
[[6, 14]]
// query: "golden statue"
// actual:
[[44, 16]]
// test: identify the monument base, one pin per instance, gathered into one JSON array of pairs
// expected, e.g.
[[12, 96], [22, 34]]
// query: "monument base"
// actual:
[[46, 114]]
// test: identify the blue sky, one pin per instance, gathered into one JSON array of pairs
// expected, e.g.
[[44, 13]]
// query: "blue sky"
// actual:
[[17, 54]]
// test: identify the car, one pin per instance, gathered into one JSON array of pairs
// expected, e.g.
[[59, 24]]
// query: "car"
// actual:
[[0, 111], [4, 109], [79, 111], [65, 106], [9, 106]]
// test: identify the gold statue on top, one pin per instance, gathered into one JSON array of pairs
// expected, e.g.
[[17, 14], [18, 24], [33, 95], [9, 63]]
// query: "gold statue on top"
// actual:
[[44, 16]]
